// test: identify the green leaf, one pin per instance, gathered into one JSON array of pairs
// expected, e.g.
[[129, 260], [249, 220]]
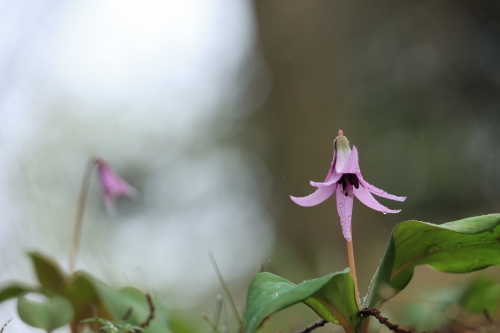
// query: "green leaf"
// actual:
[[481, 295], [113, 326], [82, 295], [331, 297], [48, 272], [457, 247], [118, 303], [53, 313], [12, 291]]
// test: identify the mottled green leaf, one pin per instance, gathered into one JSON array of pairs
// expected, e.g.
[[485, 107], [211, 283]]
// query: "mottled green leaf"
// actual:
[[12, 291], [483, 294], [48, 272], [331, 297], [458, 247], [82, 295], [118, 303], [52, 313]]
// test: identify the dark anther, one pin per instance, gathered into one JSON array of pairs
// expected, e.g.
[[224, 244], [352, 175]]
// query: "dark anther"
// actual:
[[342, 181], [353, 179]]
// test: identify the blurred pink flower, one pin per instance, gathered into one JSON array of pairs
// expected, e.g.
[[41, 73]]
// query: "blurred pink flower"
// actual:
[[112, 185], [344, 178]]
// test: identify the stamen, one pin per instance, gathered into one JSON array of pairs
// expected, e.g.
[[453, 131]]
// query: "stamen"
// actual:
[[353, 179], [344, 182]]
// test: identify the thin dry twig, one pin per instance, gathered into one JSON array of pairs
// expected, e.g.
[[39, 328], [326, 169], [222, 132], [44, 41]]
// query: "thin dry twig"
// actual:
[[127, 314], [209, 321], [218, 311], [4, 325], [393, 327], [319, 323], [151, 312]]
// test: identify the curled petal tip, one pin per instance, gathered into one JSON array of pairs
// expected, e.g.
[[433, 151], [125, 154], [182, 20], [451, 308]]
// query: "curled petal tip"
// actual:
[[319, 184], [341, 133], [367, 199], [297, 200], [313, 199], [377, 191]]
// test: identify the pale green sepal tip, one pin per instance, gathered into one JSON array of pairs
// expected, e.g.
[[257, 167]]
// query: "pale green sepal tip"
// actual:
[[342, 145]]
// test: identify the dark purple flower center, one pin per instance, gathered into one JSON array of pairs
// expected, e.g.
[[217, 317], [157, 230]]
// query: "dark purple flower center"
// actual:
[[348, 178]]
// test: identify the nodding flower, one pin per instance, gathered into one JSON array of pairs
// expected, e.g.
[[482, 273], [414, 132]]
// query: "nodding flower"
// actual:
[[345, 180], [112, 185]]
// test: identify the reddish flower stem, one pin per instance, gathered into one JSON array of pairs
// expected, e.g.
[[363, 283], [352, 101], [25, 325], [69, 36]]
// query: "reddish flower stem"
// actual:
[[80, 209], [352, 267]]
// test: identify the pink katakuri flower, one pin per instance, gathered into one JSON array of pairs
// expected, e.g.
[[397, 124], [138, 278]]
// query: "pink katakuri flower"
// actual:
[[344, 178], [112, 185]]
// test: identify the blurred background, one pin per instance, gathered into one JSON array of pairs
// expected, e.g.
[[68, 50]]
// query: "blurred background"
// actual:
[[216, 111]]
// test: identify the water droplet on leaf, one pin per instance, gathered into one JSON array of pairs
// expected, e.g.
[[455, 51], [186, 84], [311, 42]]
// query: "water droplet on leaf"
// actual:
[[433, 247]]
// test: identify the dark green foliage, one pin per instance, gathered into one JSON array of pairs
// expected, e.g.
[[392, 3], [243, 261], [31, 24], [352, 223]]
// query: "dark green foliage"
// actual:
[[12, 291], [49, 274], [71, 299], [457, 247], [54, 312], [332, 297], [482, 296]]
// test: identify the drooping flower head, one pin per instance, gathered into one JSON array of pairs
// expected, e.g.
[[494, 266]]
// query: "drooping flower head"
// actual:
[[112, 185], [345, 180]]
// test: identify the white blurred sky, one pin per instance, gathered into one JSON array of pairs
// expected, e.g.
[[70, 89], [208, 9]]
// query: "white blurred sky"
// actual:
[[136, 83]]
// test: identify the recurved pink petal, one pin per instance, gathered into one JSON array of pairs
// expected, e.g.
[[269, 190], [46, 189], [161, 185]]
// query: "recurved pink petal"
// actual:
[[313, 199], [378, 191], [344, 208], [331, 179], [367, 198], [352, 163]]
